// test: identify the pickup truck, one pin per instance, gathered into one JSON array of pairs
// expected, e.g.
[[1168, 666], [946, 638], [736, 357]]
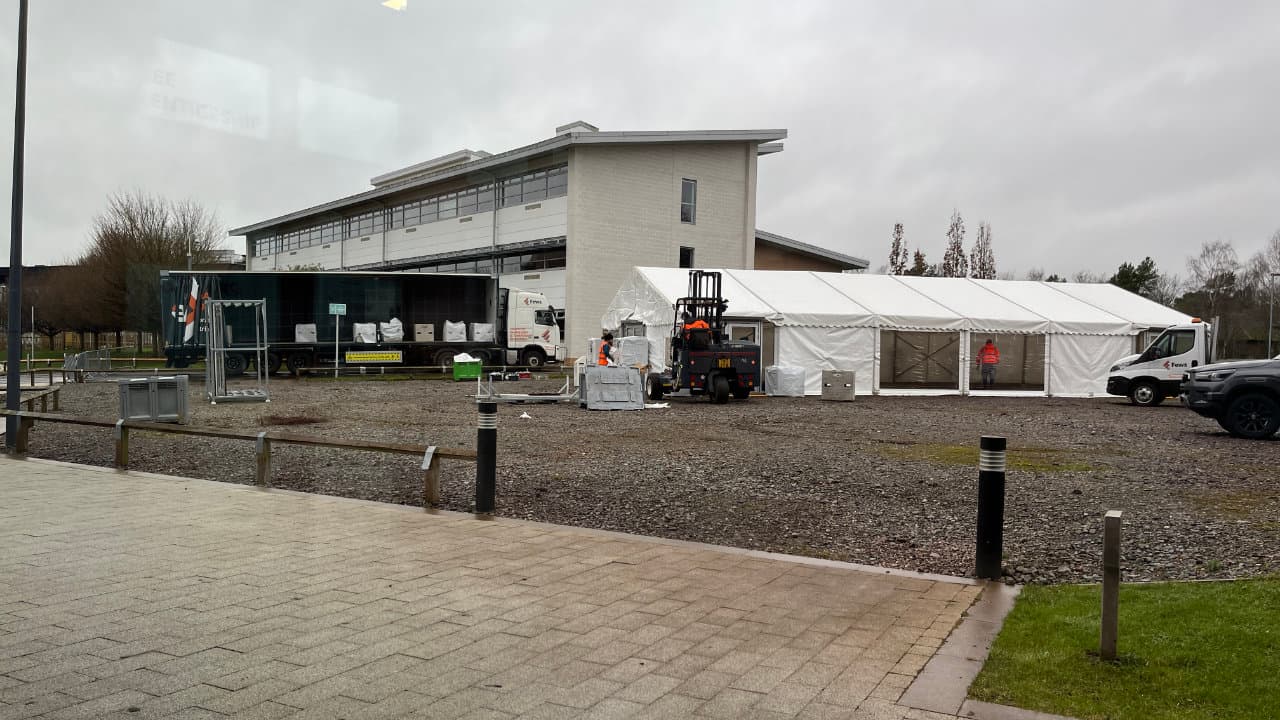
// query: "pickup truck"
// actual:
[[1243, 396]]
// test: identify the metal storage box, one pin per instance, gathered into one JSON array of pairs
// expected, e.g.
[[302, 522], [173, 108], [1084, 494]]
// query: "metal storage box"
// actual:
[[424, 332], [613, 388], [155, 399], [837, 385]]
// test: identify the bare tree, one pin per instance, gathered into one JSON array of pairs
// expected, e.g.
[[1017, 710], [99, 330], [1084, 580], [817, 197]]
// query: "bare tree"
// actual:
[[897, 252], [1087, 276], [1166, 289], [1035, 273], [982, 261], [1214, 273], [136, 237], [954, 261]]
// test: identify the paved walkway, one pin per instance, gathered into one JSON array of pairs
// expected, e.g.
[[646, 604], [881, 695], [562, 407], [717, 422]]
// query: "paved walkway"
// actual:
[[139, 596]]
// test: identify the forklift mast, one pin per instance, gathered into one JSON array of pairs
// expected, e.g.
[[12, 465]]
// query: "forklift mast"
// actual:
[[703, 302]]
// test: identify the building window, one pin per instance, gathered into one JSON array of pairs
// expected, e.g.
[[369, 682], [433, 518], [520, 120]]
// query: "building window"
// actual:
[[686, 257], [688, 201]]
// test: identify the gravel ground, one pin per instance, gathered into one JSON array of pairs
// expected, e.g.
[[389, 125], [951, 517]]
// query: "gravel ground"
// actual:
[[885, 481]]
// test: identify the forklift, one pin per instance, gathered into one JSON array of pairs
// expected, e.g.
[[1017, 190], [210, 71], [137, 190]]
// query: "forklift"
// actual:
[[703, 360]]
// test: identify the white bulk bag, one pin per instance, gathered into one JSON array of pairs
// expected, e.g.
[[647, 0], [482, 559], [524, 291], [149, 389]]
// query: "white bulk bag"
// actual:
[[392, 331], [482, 332], [455, 331], [364, 332], [304, 333]]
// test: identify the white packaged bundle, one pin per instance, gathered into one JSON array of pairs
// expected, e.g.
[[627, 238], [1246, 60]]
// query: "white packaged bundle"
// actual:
[[364, 332], [304, 332], [482, 332], [784, 381], [455, 331], [392, 331], [631, 351]]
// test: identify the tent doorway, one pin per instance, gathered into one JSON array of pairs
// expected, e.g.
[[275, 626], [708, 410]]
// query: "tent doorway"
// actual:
[[924, 360], [1021, 364]]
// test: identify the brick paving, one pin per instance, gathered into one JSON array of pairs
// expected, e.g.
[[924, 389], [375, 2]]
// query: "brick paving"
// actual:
[[126, 595]]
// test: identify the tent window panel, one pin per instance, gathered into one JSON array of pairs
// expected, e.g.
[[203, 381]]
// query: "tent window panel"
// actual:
[[919, 360], [1021, 364]]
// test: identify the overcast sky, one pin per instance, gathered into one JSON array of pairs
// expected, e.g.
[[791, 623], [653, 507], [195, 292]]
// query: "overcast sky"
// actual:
[[1086, 133]]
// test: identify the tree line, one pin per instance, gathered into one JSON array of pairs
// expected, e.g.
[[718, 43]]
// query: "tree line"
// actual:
[[980, 262], [1217, 284], [114, 284]]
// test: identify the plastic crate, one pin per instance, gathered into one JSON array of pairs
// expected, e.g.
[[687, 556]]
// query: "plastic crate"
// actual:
[[467, 370]]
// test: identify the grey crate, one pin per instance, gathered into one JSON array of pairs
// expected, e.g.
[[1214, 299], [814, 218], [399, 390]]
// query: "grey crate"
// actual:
[[613, 388], [837, 385], [155, 399]]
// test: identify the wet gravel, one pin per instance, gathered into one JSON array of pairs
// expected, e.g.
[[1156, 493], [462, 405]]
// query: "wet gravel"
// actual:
[[885, 481]]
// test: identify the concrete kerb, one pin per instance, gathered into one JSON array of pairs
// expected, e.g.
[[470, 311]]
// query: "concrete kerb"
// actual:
[[942, 686]]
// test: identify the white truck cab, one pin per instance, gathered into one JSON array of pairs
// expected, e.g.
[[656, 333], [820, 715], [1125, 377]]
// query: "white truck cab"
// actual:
[[533, 335], [1155, 374]]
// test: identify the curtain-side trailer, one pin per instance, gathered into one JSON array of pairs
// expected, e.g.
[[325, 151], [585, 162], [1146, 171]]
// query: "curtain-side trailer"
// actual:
[[513, 326]]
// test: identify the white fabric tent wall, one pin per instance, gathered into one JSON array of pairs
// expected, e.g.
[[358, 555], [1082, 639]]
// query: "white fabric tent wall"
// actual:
[[833, 321], [1078, 364], [829, 348]]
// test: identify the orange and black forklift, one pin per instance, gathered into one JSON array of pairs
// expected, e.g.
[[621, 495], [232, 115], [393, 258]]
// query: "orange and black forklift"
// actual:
[[703, 361]]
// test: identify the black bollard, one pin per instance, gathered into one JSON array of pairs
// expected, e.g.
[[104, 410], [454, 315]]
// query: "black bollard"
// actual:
[[486, 456], [991, 455]]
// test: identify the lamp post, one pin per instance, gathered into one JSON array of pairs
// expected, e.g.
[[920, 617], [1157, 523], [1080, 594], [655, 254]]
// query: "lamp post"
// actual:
[[13, 381], [1271, 312]]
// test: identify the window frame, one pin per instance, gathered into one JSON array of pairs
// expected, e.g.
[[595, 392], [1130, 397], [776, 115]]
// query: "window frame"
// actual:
[[689, 184]]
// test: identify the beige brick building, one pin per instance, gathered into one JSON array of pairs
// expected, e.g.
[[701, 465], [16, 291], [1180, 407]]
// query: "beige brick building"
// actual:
[[568, 216]]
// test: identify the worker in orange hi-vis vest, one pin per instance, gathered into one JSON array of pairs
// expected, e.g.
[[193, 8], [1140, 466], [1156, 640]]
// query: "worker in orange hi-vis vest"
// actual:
[[988, 359]]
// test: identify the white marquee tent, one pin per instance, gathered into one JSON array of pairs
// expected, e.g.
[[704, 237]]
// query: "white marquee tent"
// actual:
[[902, 334]]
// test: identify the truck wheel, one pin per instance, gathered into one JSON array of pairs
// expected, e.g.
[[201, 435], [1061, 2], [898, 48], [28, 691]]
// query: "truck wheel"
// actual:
[[533, 357], [655, 388], [273, 363], [296, 361], [1145, 394], [720, 390], [235, 364], [444, 358], [741, 392], [1254, 416]]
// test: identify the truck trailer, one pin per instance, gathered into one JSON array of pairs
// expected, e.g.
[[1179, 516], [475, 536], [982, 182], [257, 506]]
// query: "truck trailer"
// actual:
[[415, 319]]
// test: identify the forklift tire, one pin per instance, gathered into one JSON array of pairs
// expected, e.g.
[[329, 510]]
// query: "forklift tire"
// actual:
[[741, 392], [655, 388], [719, 390]]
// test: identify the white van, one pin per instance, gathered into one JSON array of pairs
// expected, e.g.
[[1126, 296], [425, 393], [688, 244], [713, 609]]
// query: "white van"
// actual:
[[1154, 374]]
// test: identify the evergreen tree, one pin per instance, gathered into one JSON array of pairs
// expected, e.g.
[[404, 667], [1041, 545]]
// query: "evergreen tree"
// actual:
[[898, 252], [982, 262], [954, 262], [1141, 278], [919, 267]]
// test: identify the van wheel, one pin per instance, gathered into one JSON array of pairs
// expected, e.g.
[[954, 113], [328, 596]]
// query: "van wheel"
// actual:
[[1254, 416], [1145, 394]]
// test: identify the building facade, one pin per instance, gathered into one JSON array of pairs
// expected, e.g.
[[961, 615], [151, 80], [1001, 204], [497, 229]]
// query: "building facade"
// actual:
[[568, 216]]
